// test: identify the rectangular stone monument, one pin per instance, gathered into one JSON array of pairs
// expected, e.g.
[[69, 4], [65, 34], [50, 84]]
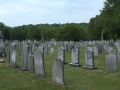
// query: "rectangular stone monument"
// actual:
[[31, 64], [119, 55], [61, 54], [39, 63], [75, 57], [58, 71], [51, 51], [24, 57], [89, 59], [13, 62], [8, 58], [95, 51], [111, 63]]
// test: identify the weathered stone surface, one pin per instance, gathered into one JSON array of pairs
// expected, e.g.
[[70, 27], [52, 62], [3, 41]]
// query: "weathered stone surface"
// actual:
[[58, 71]]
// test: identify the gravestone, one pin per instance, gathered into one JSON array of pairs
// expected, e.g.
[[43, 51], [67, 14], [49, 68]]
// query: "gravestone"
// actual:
[[61, 54], [39, 63], [57, 71], [51, 51], [31, 64], [95, 51], [8, 58], [89, 59], [24, 57], [75, 57], [111, 63], [119, 55], [13, 62], [46, 49]]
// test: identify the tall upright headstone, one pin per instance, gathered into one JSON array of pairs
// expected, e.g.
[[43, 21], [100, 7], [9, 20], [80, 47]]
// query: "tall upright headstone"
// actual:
[[31, 64], [89, 59], [61, 54], [13, 62], [57, 71], [75, 57], [39, 63], [27, 50], [111, 63]]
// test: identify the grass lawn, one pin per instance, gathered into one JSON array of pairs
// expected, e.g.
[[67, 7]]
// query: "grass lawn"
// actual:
[[76, 78]]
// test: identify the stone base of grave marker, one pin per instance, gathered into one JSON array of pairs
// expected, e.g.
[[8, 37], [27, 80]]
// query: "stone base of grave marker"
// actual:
[[25, 69], [76, 64], [90, 67]]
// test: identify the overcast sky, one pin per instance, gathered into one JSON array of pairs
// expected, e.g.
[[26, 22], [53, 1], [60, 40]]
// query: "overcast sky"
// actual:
[[23, 12]]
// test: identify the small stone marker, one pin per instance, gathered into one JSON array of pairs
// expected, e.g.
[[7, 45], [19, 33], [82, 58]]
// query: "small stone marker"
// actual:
[[58, 71]]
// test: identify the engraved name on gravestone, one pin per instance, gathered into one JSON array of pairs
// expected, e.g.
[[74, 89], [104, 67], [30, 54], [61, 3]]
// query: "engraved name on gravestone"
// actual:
[[111, 63], [13, 62], [61, 54], [57, 71], [75, 57], [89, 59], [39, 63]]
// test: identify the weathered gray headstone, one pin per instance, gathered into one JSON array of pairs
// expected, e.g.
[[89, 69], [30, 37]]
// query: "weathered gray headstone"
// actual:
[[8, 58], [24, 57], [39, 63], [119, 55], [51, 51], [61, 54], [95, 51], [31, 63], [75, 57], [89, 59], [13, 55], [57, 71], [111, 63]]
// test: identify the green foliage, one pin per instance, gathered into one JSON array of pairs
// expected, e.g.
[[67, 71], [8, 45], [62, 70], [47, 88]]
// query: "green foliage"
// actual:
[[73, 31], [108, 21]]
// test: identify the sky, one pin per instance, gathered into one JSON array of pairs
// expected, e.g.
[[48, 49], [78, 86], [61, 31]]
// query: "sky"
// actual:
[[23, 12]]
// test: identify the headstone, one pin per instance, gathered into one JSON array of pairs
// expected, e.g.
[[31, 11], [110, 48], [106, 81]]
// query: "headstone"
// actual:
[[61, 54], [39, 63], [119, 55], [24, 57], [95, 51], [58, 71], [111, 63], [8, 58], [75, 57], [46, 49], [13, 55], [31, 64], [51, 51], [89, 59]]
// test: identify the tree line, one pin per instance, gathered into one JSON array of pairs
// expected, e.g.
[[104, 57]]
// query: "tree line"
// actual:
[[107, 23], [68, 31]]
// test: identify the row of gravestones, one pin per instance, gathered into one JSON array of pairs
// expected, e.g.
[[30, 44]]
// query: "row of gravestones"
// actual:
[[28, 63], [89, 58]]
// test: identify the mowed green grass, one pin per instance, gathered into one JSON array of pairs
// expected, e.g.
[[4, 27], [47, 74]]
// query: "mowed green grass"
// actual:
[[76, 78]]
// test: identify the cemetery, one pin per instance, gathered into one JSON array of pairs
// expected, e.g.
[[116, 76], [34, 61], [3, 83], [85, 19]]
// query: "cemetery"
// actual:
[[85, 66]]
